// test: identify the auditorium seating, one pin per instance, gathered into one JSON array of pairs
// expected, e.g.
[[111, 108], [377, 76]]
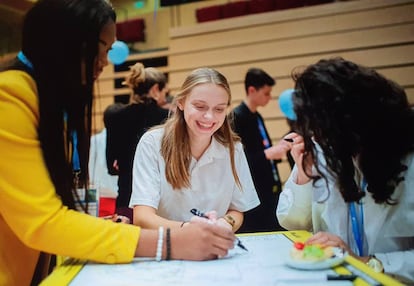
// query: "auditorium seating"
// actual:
[[131, 31], [245, 7]]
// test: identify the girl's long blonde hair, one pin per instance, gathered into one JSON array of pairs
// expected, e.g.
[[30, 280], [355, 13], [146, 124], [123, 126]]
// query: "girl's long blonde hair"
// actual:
[[175, 145]]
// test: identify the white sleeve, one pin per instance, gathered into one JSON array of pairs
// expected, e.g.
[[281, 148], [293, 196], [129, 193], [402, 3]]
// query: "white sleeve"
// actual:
[[400, 227], [399, 264], [247, 198], [294, 210], [146, 174]]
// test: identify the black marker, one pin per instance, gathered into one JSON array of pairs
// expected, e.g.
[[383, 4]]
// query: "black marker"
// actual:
[[289, 140], [196, 212], [349, 277], [321, 278]]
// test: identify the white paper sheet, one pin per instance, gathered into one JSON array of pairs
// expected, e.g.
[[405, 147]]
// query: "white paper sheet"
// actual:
[[263, 264]]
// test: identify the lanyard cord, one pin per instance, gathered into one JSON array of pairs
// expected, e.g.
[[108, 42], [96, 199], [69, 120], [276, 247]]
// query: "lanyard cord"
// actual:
[[266, 144], [74, 153], [358, 222], [25, 60]]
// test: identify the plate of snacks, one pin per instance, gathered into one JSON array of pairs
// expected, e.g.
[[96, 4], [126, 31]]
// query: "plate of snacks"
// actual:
[[314, 257]]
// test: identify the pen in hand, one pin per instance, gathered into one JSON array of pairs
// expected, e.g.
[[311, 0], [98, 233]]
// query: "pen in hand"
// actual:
[[201, 214]]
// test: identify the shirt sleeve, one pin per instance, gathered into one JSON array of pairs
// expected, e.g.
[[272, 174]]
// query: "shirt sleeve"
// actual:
[[294, 210], [146, 188], [246, 198], [29, 204]]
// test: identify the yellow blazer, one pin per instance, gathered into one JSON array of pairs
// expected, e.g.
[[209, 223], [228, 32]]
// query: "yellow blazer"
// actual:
[[32, 217]]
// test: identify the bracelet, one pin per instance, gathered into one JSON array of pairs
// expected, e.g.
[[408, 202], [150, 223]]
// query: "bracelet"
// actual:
[[182, 224], [158, 255], [168, 240]]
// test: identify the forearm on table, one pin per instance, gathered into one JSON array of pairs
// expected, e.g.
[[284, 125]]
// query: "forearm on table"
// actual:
[[147, 243]]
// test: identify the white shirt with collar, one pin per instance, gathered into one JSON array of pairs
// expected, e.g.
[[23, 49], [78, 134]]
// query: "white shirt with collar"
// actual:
[[212, 183], [389, 229]]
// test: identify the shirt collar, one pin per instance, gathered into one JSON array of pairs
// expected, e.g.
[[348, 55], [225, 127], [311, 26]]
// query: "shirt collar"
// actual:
[[215, 150]]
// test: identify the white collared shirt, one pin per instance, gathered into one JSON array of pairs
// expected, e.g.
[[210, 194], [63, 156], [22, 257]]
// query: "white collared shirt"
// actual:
[[212, 183], [389, 229]]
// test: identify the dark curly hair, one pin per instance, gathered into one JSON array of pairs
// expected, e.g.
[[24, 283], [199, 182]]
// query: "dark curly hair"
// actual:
[[354, 113]]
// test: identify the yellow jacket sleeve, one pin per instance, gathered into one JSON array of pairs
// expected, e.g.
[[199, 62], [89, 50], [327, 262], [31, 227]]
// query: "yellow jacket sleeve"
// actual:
[[32, 217]]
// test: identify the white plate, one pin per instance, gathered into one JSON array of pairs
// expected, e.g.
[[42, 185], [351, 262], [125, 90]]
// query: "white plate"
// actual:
[[337, 259]]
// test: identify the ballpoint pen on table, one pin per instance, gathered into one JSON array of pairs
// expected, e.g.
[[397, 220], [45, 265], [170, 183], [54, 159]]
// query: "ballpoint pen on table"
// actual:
[[201, 214]]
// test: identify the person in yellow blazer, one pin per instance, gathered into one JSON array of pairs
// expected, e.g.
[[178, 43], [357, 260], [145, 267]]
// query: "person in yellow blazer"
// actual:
[[45, 105]]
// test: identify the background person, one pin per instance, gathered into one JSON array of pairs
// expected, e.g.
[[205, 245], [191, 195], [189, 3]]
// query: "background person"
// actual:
[[99, 177], [192, 161], [127, 125], [353, 188], [261, 155], [45, 97]]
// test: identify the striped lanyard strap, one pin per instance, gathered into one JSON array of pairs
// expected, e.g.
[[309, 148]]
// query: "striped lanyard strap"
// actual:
[[74, 150], [25, 60], [357, 221], [266, 144]]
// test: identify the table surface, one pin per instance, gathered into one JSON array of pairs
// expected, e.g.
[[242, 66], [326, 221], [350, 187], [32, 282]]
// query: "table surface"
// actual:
[[263, 264]]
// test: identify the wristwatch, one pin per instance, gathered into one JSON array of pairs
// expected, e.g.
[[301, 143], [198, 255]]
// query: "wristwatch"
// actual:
[[375, 264], [230, 220]]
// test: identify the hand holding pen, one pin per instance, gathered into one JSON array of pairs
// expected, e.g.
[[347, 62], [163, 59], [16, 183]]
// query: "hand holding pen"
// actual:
[[201, 214]]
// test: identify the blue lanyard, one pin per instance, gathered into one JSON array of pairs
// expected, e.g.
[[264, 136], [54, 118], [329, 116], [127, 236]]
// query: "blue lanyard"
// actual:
[[358, 222], [266, 144], [266, 141], [25, 60], [75, 154]]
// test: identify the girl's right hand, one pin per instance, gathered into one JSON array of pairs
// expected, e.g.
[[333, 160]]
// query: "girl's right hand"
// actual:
[[297, 151], [201, 240]]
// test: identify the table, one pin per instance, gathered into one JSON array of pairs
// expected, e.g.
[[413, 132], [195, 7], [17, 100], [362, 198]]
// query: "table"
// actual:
[[263, 264]]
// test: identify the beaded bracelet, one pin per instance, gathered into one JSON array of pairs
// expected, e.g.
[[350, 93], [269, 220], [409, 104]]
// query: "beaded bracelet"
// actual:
[[158, 255], [168, 240]]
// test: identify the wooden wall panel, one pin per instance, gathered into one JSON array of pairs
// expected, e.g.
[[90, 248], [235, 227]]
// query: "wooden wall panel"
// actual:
[[294, 27], [338, 42], [410, 94], [376, 57], [376, 33]]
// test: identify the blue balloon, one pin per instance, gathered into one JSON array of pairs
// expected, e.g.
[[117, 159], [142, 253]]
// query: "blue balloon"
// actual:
[[286, 103], [119, 52]]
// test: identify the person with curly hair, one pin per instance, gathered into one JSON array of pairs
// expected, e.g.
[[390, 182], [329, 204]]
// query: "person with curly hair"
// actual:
[[354, 176], [126, 126]]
